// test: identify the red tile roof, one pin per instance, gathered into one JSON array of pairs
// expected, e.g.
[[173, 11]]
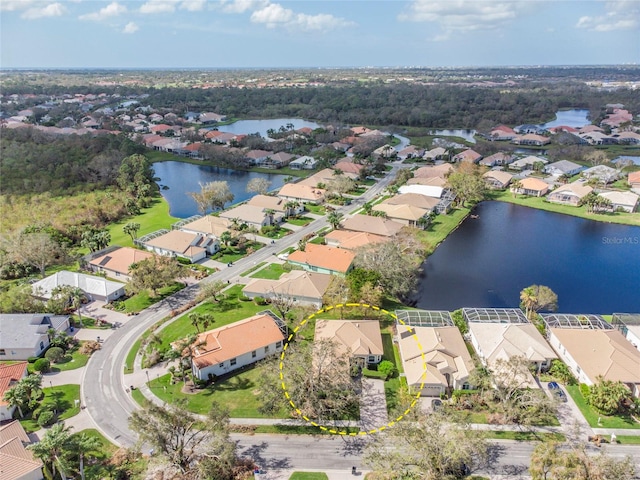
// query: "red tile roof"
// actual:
[[9, 374]]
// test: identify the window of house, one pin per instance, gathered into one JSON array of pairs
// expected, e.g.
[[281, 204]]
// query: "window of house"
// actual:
[[221, 365], [278, 344], [41, 345], [253, 354], [466, 386], [2, 351], [232, 362], [372, 359], [266, 349]]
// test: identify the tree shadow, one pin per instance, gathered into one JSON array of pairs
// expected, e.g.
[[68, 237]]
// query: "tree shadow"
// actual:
[[256, 453], [233, 384]]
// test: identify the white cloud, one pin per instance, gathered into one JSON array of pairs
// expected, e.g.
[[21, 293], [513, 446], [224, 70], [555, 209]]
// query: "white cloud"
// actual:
[[112, 10], [456, 16], [619, 15], [275, 15], [13, 5], [51, 10], [130, 27], [241, 6], [159, 6], [192, 5]]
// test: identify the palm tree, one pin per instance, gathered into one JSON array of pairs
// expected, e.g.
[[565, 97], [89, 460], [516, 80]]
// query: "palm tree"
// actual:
[[32, 385], [83, 444], [54, 447], [367, 208], [16, 397], [334, 219], [291, 206], [515, 186], [226, 237], [77, 297]]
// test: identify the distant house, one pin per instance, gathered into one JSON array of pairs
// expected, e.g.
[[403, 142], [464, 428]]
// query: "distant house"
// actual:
[[276, 204], [376, 225], [626, 201], [432, 182], [257, 157], [351, 240], [302, 193], [497, 159], [302, 287], [570, 194], [277, 160], [531, 186], [348, 167], [603, 174], [528, 128], [431, 171], [176, 243], [497, 179], [323, 259], [627, 138], [413, 199], [24, 335], [434, 154], [563, 167], [527, 163], [360, 339], [10, 374], [405, 214], [410, 152], [210, 117], [225, 349], [634, 180], [531, 139], [16, 461], [252, 216], [116, 263], [303, 163], [502, 133], [469, 156], [95, 288], [427, 190]]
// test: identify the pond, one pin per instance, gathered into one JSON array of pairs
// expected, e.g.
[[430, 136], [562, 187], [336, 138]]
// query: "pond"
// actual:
[[466, 134], [182, 178], [593, 267], [570, 118], [261, 126]]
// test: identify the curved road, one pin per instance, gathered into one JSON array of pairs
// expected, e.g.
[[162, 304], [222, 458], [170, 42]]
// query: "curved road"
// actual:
[[103, 388]]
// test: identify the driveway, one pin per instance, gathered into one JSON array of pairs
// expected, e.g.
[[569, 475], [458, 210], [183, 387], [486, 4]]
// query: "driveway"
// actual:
[[373, 404]]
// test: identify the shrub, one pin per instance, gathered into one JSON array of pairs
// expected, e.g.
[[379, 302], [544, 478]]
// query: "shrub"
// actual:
[[387, 368], [459, 322], [42, 365], [54, 354], [46, 418], [32, 359], [259, 301], [184, 261], [244, 298], [585, 391], [89, 347], [560, 371]]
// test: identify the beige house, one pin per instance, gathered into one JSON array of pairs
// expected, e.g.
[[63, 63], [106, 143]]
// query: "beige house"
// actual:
[[497, 180], [431, 171], [252, 216], [634, 180], [468, 156], [360, 339], [531, 186], [434, 154], [404, 214], [435, 356], [570, 194], [413, 199], [16, 462], [428, 181], [302, 193], [323, 259], [306, 288], [626, 201], [531, 139], [208, 225], [116, 263], [351, 240], [176, 243], [276, 204], [376, 225]]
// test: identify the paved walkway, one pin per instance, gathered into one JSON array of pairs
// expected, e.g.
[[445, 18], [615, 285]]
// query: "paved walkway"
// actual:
[[373, 404]]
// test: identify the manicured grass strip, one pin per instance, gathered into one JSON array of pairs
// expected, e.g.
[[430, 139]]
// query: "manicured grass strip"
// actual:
[[63, 397], [308, 476], [317, 209], [592, 416], [142, 300], [271, 272], [253, 269], [300, 221], [525, 436], [626, 439], [289, 429], [440, 228], [233, 255], [72, 361], [131, 356], [139, 397]]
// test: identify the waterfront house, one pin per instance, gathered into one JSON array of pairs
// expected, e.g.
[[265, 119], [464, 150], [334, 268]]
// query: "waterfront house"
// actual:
[[277, 160], [531, 139], [95, 288], [602, 174], [10, 374], [16, 461], [413, 199], [469, 156], [257, 157], [502, 133], [634, 180], [24, 335], [208, 225], [629, 326], [431, 171], [527, 163], [252, 216], [302, 193], [570, 194], [351, 240], [434, 154], [624, 201], [593, 348], [323, 259], [115, 262], [563, 167], [497, 159], [299, 286], [276, 204], [176, 243], [404, 214], [361, 340], [225, 349], [531, 186], [410, 151], [210, 117], [427, 190], [369, 224], [497, 179], [303, 163]]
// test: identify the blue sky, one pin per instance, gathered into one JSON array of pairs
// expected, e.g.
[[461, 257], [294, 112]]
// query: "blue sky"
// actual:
[[307, 33]]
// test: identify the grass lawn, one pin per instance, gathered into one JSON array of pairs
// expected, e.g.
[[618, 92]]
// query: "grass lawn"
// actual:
[[289, 429], [91, 323], [233, 255], [139, 397], [525, 436], [542, 204], [317, 241], [150, 219], [277, 234], [71, 361], [300, 221], [253, 269], [270, 272], [131, 356], [440, 228], [224, 312], [317, 209], [592, 416], [308, 476], [239, 393], [626, 439], [63, 397], [138, 302]]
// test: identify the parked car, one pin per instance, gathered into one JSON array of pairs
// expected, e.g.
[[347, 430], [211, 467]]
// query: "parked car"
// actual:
[[557, 391]]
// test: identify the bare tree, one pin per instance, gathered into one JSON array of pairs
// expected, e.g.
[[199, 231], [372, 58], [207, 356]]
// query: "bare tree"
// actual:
[[258, 185], [212, 195]]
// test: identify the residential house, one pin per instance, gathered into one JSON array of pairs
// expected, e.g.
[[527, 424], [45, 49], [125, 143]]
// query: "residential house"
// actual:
[[277, 204], [563, 167], [634, 180], [301, 287], [303, 163], [528, 128], [502, 133], [531, 139], [531, 186], [570, 194], [252, 216], [497, 179], [225, 349], [116, 261], [497, 159], [427, 190], [210, 117], [627, 138], [323, 177], [222, 138], [405, 214], [413, 199], [16, 461], [351, 240], [302, 193], [629, 326], [410, 151], [597, 138], [208, 225], [369, 224], [431, 181], [624, 201], [360, 130], [348, 167], [602, 174], [468, 156], [617, 117], [95, 288], [527, 163], [591, 348], [431, 171], [361, 340], [385, 151], [277, 160], [10, 374], [176, 243], [24, 335], [434, 154], [257, 157], [323, 259]]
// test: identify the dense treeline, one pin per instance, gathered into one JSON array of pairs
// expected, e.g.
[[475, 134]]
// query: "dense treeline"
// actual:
[[34, 162]]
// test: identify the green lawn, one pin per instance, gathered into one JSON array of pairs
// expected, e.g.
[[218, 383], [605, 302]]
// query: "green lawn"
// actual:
[[138, 302], [71, 361], [63, 397], [131, 355], [525, 436], [592, 416], [542, 204], [239, 393], [139, 397], [232, 254], [270, 272], [317, 209], [308, 476], [90, 323], [300, 221], [626, 439], [441, 227], [317, 241], [253, 269], [150, 219], [291, 429]]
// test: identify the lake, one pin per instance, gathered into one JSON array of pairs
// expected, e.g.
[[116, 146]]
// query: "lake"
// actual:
[[570, 118], [468, 135], [593, 267], [182, 178], [261, 126]]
